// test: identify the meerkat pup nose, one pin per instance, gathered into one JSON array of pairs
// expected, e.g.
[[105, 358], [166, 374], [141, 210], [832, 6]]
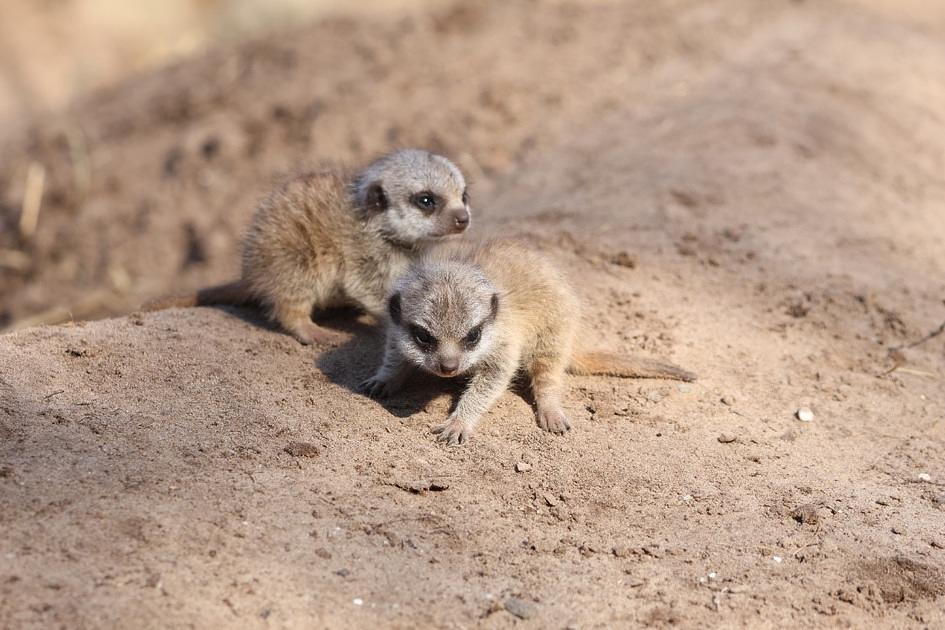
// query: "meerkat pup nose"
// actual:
[[461, 218], [449, 365]]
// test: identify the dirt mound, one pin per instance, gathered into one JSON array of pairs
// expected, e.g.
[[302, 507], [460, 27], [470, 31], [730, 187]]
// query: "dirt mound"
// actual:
[[753, 190]]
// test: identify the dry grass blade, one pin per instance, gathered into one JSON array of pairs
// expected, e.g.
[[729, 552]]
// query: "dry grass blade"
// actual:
[[32, 199]]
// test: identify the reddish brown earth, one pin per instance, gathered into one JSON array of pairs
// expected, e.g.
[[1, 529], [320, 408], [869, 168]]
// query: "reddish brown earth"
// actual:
[[755, 191]]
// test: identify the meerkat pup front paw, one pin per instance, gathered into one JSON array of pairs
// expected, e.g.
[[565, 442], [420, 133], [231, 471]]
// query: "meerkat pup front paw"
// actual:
[[390, 378], [376, 387], [454, 431]]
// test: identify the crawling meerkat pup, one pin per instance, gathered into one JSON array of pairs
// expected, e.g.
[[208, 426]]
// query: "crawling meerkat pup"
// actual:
[[489, 311], [324, 240]]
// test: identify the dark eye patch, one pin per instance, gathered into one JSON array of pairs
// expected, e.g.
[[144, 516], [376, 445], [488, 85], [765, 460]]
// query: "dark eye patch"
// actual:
[[426, 201], [422, 337], [465, 198], [471, 340]]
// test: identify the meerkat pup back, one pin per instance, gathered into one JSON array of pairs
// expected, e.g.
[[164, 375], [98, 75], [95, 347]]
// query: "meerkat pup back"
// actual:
[[489, 311], [329, 239]]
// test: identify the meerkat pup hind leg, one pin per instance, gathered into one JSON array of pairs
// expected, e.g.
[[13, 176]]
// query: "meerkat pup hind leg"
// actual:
[[296, 319], [547, 374]]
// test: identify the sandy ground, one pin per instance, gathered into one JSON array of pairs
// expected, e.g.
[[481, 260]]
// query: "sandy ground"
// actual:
[[755, 191]]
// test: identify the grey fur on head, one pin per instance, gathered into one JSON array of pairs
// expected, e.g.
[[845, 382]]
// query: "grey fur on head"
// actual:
[[412, 195], [442, 313]]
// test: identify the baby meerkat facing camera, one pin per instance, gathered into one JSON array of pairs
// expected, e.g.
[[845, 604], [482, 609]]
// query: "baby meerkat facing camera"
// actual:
[[489, 311], [333, 239]]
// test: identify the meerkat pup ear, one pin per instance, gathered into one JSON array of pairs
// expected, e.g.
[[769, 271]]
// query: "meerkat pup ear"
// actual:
[[393, 308], [495, 305], [376, 198]]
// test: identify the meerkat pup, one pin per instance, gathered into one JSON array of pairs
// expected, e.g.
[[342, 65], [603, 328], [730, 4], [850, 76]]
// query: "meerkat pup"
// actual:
[[324, 240], [490, 311]]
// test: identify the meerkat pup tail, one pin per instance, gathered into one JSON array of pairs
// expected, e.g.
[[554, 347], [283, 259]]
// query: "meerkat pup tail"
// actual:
[[230, 294], [609, 364]]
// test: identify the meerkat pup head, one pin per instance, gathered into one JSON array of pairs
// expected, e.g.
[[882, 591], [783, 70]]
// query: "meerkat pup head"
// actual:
[[443, 315], [414, 196]]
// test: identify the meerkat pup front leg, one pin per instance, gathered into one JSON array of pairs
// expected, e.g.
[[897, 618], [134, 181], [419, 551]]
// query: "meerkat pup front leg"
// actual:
[[485, 387], [391, 376]]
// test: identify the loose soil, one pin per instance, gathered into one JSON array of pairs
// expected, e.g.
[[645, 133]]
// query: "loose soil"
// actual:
[[755, 191]]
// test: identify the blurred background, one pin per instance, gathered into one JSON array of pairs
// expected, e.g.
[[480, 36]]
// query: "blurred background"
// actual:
[[136, 137], [755, 187], [52, 51]]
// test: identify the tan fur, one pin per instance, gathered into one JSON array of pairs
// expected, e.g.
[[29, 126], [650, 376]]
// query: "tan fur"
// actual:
[[530, 326], [609, 364], [328, 239]]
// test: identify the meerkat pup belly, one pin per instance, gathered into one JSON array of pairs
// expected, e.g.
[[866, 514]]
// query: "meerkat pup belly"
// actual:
[[325, 239], [489, 311]]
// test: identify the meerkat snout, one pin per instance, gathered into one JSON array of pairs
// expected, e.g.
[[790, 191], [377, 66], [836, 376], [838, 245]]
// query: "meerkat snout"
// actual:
[[460, 217], [449, 365]]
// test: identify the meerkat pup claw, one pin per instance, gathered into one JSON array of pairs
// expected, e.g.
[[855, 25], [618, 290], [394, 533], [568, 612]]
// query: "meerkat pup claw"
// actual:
[[490, 311], [389, 379], [453, 432]]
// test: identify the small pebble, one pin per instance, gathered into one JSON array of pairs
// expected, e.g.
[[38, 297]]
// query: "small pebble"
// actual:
[[898, 530], [925, 477], [301, 449], [728, 400], [937, 544], [806, 514], [622, 551], [357, 601], [522, 467], [726, 438], [777, 559], [805, 415], [520, 608], [654, 551]]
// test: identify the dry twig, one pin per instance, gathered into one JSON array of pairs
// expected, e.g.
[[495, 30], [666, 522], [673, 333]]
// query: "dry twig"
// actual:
[[32, 199]]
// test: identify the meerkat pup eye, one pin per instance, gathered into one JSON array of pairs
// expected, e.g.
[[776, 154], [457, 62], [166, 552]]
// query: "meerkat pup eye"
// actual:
[[471, 340], [465, 197], [423, 337], [425, 200]]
